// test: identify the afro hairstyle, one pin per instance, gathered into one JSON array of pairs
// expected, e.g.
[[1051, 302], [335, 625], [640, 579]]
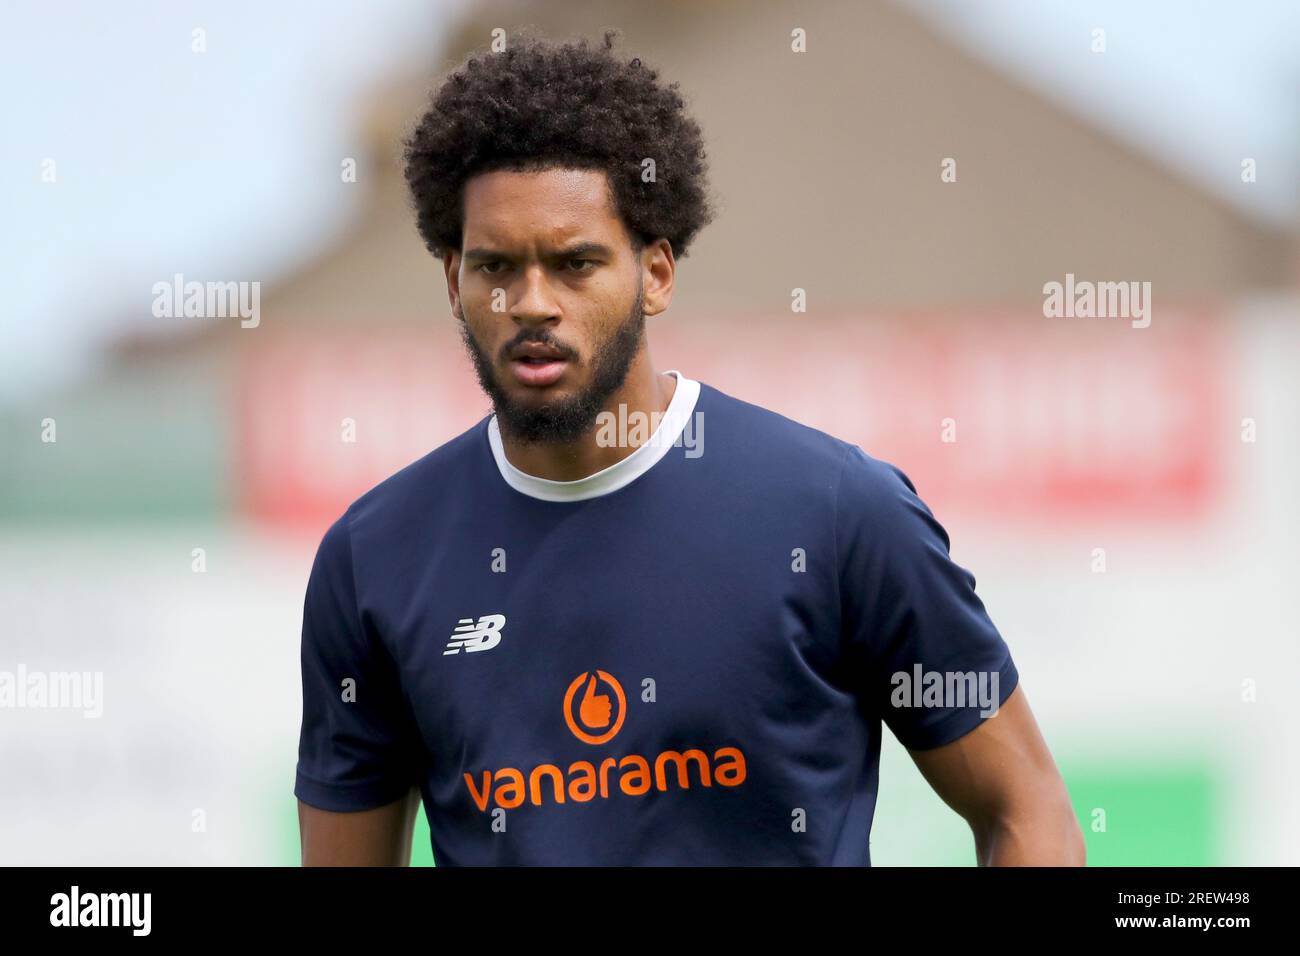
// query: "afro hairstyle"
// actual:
[[539, 105]]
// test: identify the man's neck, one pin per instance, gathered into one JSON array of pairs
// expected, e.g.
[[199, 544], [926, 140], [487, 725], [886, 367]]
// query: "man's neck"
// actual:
[[644, 391]]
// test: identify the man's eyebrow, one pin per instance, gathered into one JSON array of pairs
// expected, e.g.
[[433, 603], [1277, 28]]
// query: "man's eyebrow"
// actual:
[[576, 251], [481, 252], [581, 249]]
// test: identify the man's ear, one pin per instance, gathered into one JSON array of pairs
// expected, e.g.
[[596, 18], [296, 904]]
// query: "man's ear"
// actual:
[[659, 270], [451, 269]]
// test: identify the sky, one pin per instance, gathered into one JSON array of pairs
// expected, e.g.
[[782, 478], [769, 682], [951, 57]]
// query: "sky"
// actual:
[[224, 163], [216, 164], [1195, 84]]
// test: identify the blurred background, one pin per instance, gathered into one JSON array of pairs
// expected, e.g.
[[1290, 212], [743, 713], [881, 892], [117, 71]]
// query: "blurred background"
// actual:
[[1126, 496]]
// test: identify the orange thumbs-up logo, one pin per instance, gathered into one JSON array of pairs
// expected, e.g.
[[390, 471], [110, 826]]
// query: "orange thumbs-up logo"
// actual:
[[595, 709]]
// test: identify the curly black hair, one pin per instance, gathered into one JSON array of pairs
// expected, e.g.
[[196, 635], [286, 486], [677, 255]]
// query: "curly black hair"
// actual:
[[540, 106]]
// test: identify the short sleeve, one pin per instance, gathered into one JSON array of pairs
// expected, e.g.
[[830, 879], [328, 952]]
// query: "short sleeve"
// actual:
[[931, 663], [357, 744]]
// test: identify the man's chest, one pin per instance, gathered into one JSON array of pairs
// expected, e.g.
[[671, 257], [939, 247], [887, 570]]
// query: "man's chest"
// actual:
[[638, 669]]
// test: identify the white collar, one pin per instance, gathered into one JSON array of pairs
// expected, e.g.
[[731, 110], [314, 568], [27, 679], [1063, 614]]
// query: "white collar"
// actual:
[[617, 475]]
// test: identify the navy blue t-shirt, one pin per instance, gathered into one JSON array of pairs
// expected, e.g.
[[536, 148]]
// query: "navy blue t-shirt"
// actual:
[[684, 658]]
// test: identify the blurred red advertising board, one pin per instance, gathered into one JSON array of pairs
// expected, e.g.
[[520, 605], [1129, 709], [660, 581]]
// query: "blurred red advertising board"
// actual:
[[324, 418], [1019, 417]]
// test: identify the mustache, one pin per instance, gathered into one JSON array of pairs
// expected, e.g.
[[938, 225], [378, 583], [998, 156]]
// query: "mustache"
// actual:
[[538, 336]]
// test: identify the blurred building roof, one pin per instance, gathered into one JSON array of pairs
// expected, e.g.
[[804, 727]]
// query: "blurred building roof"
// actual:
[[826, 165]]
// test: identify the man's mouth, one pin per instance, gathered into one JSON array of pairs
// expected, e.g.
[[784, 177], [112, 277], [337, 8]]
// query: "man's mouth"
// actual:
[[538, 365]]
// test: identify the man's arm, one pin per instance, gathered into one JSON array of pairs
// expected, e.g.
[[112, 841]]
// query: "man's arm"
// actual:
[[378, 837], [359, 751], [1003, 781]]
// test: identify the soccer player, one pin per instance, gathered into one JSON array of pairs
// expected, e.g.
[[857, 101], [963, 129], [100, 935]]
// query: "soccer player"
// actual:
[[628, 618]]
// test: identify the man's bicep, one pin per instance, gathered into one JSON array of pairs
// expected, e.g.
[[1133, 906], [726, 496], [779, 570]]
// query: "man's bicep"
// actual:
[[378, 837], [991, 771]]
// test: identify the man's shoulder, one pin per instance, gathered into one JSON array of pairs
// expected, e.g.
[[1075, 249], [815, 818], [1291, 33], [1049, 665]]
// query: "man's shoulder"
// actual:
[[781, 445], [769, 435]]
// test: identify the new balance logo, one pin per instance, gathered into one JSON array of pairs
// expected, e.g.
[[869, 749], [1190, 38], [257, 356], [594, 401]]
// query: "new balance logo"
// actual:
[[481, 636]]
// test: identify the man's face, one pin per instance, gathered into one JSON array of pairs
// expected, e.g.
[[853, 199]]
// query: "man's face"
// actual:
[[550, 297]]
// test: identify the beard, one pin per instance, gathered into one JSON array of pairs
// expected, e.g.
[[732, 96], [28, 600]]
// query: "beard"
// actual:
[[564, 420]]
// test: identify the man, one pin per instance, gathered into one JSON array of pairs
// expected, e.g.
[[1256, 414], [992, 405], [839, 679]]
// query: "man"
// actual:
[[629, 619]]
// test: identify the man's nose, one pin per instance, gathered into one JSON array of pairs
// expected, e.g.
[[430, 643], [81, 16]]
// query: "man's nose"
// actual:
[[535, 305]]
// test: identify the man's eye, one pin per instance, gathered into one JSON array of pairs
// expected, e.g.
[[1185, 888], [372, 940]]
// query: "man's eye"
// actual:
[[486, 271], [590, 262]]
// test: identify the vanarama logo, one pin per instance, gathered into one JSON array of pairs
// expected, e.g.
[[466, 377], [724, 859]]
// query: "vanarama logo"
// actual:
[[594, 709]]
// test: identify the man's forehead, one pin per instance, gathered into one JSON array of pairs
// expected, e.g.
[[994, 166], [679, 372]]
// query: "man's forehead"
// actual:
[[554, 205]]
